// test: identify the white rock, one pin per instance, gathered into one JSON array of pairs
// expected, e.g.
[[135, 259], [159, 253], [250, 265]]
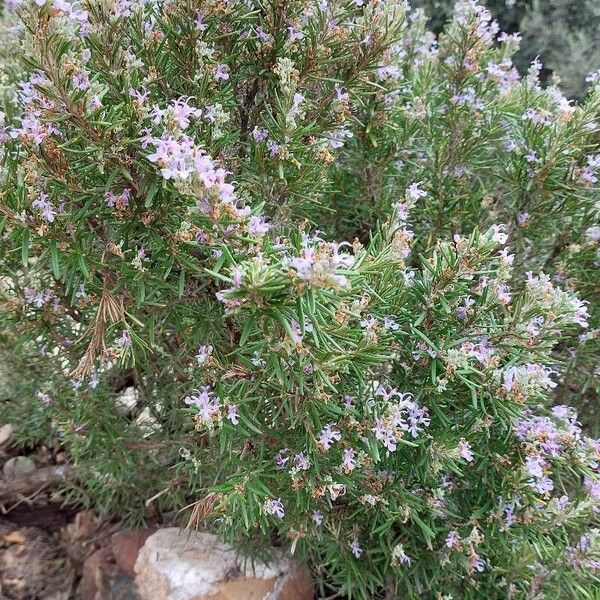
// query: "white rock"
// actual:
[[127, 399], [6, 433], [17, 466], [147, 422], [175, 564]]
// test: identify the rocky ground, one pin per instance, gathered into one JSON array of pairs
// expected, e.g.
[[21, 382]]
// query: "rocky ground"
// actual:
[[49, 551]]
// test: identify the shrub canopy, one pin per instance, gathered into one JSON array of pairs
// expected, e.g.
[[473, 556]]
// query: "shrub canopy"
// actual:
[[312, 274]]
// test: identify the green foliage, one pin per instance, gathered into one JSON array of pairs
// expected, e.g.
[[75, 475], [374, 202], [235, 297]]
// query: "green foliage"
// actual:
[[176, 316]]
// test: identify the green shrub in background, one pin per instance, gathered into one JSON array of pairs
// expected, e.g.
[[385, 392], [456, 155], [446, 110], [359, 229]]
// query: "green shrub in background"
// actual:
[[182, 313], [565, 34]]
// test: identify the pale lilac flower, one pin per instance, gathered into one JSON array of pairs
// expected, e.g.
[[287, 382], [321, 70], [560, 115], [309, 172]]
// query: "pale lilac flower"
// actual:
[[222, 72], [593, 487], [349, 462], [399, 556], [385, 435], [503, 293], [199, 22], [499, 235], [341, 93], [203, 354], [389, 324], [140, 96], [281, 458], [464, 449], [81, 80], [260, 135], [356, 549], [274, 507], [44, 398], [262, 35], [452, 539], [592, 234], [232, 414], [531, 156], [273, 148], [301, 461], [206, 402], [462, 312], [534, 325], [45, 207], [527, 377], [124, 340], [337, 138], [476, 563], [534, 465], [543, 485], [317, 517], [94, 380], [328, 436], [297, 101], [295, 34], [258, 226], [414, 192], [182, 112]]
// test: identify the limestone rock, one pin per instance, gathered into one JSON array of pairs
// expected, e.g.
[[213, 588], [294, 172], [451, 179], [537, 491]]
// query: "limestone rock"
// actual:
[[6, 433], [17, 466], [175, 564]]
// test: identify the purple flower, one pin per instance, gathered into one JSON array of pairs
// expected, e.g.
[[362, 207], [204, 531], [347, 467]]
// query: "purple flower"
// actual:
[[301, 461], [542, 485], [273, 148], [593, 487], [317, 517], [414, 192], [464, 449], [199, 22], [203, 354], [349, 462], [206, 402], [399, 556], [125, 340], [452, 539], [389, 324], [462, 312], [356, 549], [297, 101], [328, 436], [260, 135], [232, 414], [81, 80], [476, 563], [262, 35], [182, 112], [222, 72], [139, 96], [258, 226], [281, 458], [45, 207], [534, 465], [274, 507]]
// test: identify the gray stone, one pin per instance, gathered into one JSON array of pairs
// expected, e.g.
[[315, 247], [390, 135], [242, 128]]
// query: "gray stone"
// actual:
[[17, 466], [175, 564], [6, 433]]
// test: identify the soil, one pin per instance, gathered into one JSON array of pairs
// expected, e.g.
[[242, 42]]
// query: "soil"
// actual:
[[50, 551]]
